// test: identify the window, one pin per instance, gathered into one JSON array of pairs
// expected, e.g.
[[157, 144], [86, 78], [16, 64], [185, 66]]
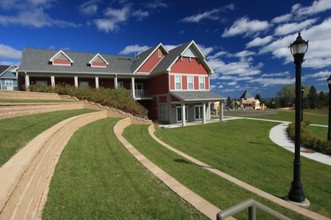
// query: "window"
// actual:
[[84, 84], [178, 82], [120, 84], [190, 82], [41, 83], [163, 111], [201, 82]]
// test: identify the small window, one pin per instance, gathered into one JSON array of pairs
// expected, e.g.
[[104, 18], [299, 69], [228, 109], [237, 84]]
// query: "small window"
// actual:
[[120, 84], [84, 84], [201, 82], [190, 82], [41, 82], [178, 82]]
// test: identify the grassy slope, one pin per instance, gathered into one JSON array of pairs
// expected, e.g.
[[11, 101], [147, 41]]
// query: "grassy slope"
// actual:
[[15, 133], [215, 189], [243, 149], [97, 178]]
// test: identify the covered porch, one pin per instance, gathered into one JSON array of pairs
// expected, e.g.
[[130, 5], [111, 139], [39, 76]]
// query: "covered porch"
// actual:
[[193, 107]]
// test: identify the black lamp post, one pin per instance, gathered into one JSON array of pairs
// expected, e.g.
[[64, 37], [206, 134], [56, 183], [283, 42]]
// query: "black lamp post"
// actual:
[[329, 131], [298, 50], [302, 90]]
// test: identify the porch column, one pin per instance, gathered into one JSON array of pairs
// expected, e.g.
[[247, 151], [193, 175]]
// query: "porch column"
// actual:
[[53, 81], [97, 82], [115, 82], [133, 88], [203, 113], [27, 82], [183, 115], [76, 81], [221, 110]]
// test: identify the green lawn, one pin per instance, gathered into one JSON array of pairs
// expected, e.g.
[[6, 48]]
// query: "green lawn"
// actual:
[[16, 132], [242, 148], [97, 178], [215, 189], [314, 118], [320, 132]]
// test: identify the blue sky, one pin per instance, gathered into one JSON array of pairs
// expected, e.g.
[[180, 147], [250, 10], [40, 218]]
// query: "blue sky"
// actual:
[[245, 42]]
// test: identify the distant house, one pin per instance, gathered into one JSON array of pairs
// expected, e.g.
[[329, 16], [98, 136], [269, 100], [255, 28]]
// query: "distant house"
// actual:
[[8, 79], [248, 101], [173, 85]]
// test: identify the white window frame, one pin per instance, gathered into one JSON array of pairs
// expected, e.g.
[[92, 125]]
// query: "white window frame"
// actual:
[[120, 84], [178, 81], [190, 83], [202, 83]]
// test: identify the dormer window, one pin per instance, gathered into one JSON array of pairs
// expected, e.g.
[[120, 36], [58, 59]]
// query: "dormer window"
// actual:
[[61, 59], [98, 61]]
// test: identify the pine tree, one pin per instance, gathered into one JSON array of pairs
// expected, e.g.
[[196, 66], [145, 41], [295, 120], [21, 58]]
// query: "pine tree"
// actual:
[[313, 99]]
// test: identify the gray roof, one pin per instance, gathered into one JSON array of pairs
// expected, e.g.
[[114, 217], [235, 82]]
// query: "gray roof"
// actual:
[[246, 95], [3, 68], [37, 60], [196, 96], [140, 58], [170, 58]]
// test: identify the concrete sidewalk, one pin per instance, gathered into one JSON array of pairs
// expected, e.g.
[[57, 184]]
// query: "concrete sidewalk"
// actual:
[[279, 136]]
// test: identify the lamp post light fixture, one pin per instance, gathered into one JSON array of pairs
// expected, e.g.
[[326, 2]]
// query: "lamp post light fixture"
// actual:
[[329, 131], [298, 49]]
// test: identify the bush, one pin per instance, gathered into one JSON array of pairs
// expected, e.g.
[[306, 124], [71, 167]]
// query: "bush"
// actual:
[[308, 140], [116, 98]]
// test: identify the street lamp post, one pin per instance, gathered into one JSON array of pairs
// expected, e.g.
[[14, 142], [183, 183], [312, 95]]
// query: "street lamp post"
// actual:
[[329, 131], [302, 90], [298, 49]]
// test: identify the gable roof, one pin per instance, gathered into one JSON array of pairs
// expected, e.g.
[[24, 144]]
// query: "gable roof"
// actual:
[[167, 62], [96, 57], [58, 53], [37, 60], [246, 95], [3, 68], [141, 58]]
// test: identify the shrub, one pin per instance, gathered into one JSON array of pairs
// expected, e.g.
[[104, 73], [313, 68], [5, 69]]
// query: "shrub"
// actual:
[[116, 98], [308, 140]]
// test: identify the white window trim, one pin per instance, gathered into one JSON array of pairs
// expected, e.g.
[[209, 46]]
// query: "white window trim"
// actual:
[[180, 82], [188, 83], [200, 82]]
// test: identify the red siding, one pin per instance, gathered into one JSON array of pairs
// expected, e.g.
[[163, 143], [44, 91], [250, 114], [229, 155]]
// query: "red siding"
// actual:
[[158, 84], [184, 82], [185, 66], [99, 63], [162, 99], [206, 83], [172, 82], [60, 61], [196, 83], [151, 62]]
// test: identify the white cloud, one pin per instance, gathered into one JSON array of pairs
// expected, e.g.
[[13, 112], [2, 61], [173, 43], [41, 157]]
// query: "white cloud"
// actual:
[[205, 50], [209, 15], [218, 54], [156, 4], [140, 14], [282, 18], [30, 13], [272, 81], [8, 52], [322, 75], [281, 74], [259, 41], [134, 49], [294, 27], [89, 8], [317, 7], [245, 26]]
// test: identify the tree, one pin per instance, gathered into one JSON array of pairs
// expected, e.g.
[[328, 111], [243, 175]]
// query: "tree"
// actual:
[[285, 97], [257, 96], [323, 99], [313, 99], [228, 102]]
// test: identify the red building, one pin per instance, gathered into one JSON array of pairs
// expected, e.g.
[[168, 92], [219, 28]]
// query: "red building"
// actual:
[[172, 85]]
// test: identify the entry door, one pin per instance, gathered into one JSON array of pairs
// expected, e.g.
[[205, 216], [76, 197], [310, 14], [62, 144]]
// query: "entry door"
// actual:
[[198, 112], [179, 113]]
